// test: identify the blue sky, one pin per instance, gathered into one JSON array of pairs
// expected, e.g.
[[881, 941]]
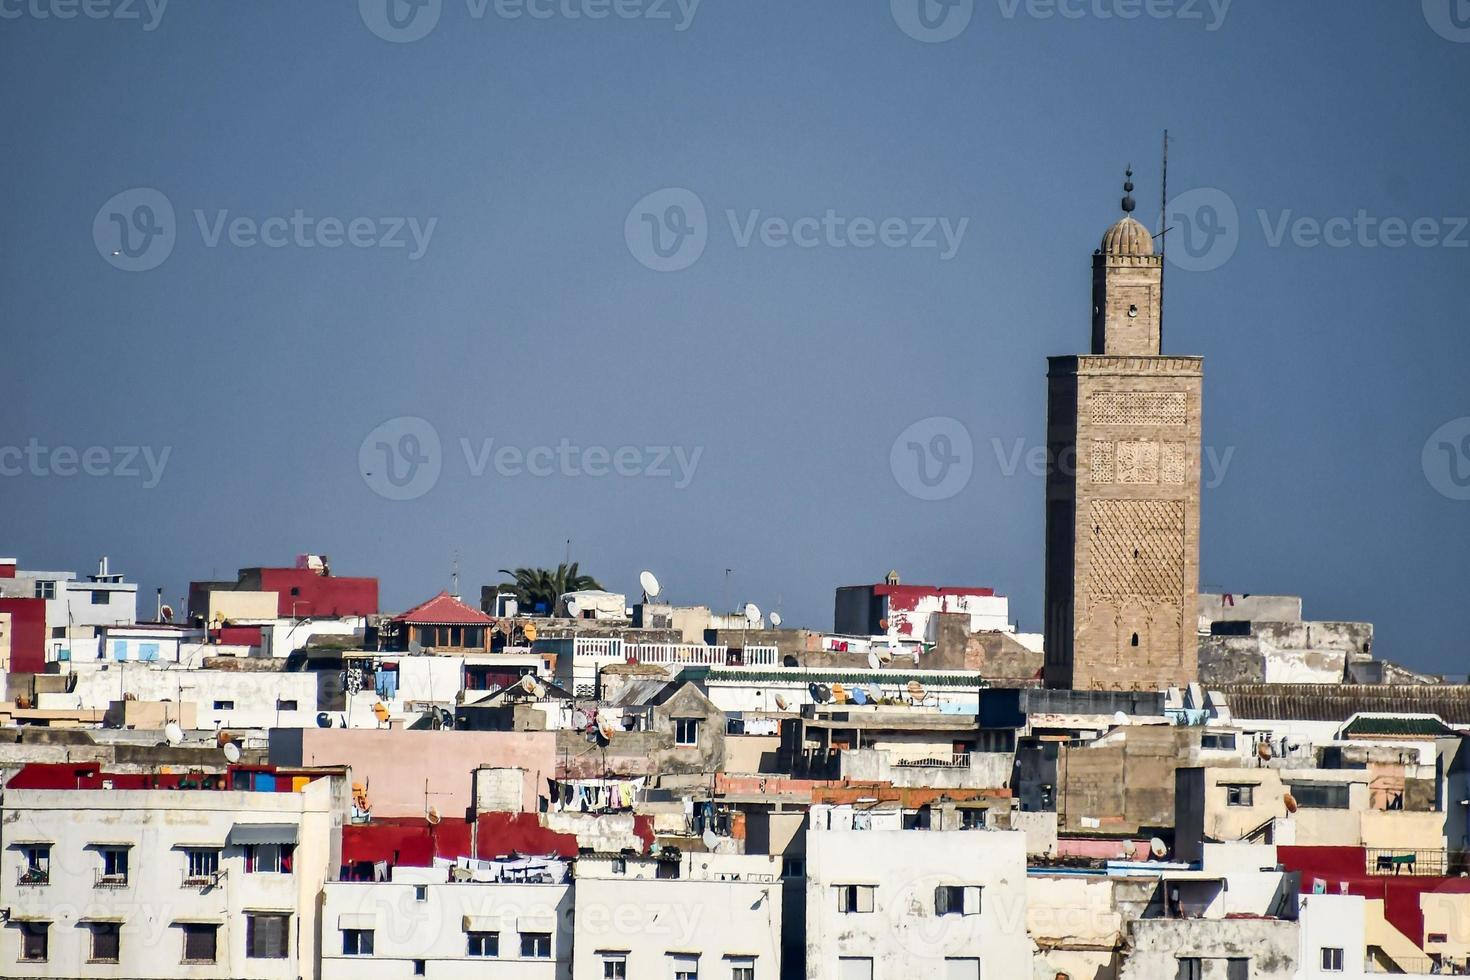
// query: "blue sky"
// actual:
[[274, 355]]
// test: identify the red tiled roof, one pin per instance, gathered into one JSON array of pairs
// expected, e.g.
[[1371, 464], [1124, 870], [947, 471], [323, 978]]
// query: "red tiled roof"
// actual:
[[444, 609]]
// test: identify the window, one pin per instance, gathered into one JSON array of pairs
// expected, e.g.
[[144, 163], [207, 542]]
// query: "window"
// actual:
[[961, 968], [482, 944], [686, 966], [536, 945], [854, 968], [686, 731], [1237, 968], [201, 864], [1217, 740], [1320, 796], [420, 893], [106, 941], [58, 632], [35, 940], [972, 818], [269, 858], [614, 966], [1190, 968], [855, 898], [45, 590], [420, 967], [1240, 795], [957, 900], [357, 942], [267, 935], [224, 706], [200, 942], [742, 968], [1332, 959], [37, 870], [793, 867], [283, 705], [114, 869], [99, 597]]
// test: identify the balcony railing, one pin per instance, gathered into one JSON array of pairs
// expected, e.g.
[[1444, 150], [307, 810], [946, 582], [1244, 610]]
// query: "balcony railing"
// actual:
[[1416, 861], [1417, 966], [33, 876], [105, 880], [197, 880], [956, 760]]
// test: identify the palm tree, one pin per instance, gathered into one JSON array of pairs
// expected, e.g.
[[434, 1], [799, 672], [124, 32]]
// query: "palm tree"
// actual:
[[543, 586]]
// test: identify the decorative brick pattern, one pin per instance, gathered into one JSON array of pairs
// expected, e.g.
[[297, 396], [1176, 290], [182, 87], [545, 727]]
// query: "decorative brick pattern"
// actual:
[[1137, 549], [1138, 408]]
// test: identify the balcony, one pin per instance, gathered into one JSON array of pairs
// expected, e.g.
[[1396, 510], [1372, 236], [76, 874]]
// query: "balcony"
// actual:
[[197, 881], [1421, 862], [33, 876], [956, 760], [105, 880]]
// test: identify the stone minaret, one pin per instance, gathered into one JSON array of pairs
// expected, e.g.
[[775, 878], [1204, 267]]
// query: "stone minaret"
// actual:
[[1122, 492]]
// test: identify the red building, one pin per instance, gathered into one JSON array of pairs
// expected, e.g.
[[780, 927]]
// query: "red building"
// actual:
[[27, 634], [301, 592]]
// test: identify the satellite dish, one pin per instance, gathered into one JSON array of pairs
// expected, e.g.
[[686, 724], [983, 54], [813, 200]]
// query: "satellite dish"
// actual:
[[528, 683], [1120, 718], [815, 690], [446, 718], [1129, 849], [839, 693], [605, 726], [711, 839], [873, 662], [916, 690], [885, 654], [432, 815], [650, 585], [859, 696], [875, 693], [1290, 802], [573, 609], [539, 690], [1263, 750], [173, 733], [1157, 849], [380, 711], [752, 614], [223, 738], [232, 752], [775, 619], [167, 613], [780, 703], [323, 720]]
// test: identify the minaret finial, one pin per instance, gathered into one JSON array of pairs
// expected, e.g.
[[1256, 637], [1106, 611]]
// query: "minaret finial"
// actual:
[[1128, 203]]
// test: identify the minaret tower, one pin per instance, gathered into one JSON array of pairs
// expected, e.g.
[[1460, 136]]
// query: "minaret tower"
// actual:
[[1123, 488]]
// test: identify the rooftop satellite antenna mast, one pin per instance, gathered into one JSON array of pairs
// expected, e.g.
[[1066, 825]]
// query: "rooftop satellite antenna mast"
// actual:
[[1163, 235]]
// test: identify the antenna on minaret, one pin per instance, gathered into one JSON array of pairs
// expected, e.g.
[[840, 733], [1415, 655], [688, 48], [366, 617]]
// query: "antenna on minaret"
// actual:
[[1163, 235], [454, 576]]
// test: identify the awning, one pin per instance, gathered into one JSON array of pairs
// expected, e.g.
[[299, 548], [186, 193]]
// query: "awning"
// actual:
[[102, 918], [184, 920], [263, 833], [481, 923], [357, 920]]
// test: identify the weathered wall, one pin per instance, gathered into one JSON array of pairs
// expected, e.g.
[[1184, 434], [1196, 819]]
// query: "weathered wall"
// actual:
[[1158, 944]]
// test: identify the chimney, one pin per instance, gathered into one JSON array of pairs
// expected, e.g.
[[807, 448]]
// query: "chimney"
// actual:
[[102, 567]]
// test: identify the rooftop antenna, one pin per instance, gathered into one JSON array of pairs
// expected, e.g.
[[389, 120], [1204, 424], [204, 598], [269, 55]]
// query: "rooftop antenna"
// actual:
[[1163, 235], [454, 576]]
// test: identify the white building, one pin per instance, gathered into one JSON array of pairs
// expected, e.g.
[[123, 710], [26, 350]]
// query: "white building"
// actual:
[[894, 904], [701, 916], [426, 923], [223, 698], [1332, 937], [75, 610], [116, 881]]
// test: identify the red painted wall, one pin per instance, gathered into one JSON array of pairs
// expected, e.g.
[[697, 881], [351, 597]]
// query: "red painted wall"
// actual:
[[1400, 893], [319, 595], [27, 634], [247, 636]]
